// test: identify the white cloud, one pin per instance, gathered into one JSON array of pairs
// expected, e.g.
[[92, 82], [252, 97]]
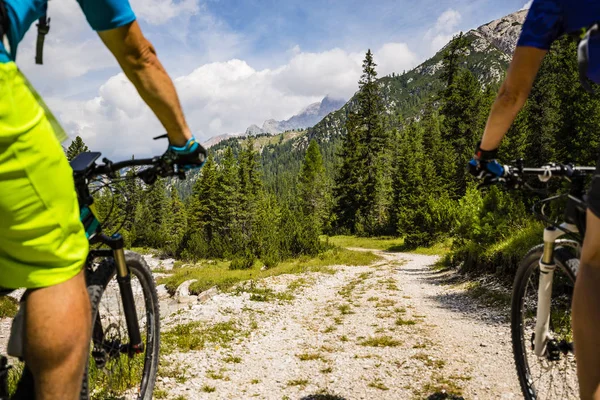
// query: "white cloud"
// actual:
[[444, 29], [221, 97], [448, 21], [527, 5], [157, 12]]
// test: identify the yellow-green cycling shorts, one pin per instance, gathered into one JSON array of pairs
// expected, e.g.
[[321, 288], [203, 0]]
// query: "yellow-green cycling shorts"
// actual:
[[42, 241]]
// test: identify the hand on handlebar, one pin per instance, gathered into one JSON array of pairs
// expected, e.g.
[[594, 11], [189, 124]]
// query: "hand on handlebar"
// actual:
[[191, 156], [484, 165]]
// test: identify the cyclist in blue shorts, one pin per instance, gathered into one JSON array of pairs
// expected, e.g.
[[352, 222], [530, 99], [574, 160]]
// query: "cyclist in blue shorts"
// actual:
[[43, 246], [546, 21]]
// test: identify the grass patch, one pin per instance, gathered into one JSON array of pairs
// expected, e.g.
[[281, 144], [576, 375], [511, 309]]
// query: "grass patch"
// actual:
[[429, 361], [377, 384], [377, 243], [330, 329], [405, 322], [218, 273], [196, 335], [388, 243], [8, 307], [344, 338], [160, 394], [208, 389], [327, 370], [440, 388], [216, 375], [255, 381], [310, 357], [297, 382], [385, 303], [263, 294], [345, 309], [298, 284], [380, 341], [232, 360]]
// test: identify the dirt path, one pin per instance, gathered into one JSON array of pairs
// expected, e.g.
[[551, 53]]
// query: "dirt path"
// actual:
[[393, 330]]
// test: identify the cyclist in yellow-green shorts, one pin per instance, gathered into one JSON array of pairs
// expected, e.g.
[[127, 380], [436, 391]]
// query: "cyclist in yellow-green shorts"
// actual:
[[42, 243]]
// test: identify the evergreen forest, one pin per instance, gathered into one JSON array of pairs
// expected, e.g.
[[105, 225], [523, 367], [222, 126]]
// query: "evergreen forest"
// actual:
[[388, 174]]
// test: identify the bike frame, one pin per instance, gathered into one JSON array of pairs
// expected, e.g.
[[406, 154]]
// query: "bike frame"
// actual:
[[547, 268]]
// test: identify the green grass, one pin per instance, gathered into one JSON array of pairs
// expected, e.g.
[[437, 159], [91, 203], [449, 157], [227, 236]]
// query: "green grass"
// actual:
[[298, 382], [387, 243], [218, 273], [380, 341], [196, 335], [232, 360], [8, 307], [263, 294], [208, 389], [377, 243], [405, 322], [429, 361], [345, 309], [310, 357], [377, 384], [160, 394]]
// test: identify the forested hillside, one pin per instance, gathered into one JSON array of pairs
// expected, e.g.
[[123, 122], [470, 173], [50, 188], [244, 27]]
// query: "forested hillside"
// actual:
[[390, 162]]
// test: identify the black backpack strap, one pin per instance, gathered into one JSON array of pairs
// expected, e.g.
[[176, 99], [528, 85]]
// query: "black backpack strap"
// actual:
[[583, 57], [3, 20], [43, 29]]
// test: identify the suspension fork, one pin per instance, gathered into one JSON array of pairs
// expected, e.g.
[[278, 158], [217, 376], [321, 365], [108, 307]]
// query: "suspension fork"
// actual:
[[547, 268], [115, 242]]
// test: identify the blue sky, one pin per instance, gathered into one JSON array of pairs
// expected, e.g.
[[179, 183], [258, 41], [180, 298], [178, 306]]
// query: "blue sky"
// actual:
[[237, 62]]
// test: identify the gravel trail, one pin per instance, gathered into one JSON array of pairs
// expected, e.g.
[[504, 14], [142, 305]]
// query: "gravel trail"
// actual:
[[393, 330]]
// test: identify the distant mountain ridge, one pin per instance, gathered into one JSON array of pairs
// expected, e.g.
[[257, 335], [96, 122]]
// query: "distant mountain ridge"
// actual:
[[307, 118]]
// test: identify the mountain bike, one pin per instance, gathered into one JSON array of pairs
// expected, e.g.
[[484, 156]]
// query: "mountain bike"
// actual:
[[542, 338], [124, 350]]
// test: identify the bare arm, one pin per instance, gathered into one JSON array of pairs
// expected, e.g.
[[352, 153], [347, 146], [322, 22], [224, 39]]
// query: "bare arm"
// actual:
[[139, 62], [512, 95]]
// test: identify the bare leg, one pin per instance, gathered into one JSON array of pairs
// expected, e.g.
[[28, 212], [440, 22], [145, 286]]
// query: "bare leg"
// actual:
[[586, 312], [57, 338]]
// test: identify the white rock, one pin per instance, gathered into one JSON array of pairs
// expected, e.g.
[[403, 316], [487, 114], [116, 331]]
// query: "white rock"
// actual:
[[182, 294]]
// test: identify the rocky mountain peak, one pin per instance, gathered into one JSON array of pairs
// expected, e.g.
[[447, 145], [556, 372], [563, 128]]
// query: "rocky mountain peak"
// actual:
[[504, 32]]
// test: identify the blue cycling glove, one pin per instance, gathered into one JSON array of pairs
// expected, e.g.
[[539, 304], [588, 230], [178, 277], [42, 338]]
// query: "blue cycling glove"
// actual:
[[484, 165], [190, 156]]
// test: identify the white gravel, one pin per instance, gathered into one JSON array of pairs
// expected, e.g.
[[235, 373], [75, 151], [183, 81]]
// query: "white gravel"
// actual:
[[456, 344]]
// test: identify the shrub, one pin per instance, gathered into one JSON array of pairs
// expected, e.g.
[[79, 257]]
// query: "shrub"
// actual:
[[246, 262]]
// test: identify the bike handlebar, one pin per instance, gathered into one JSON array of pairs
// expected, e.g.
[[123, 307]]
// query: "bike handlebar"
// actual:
[[158, 166], [513, 174]]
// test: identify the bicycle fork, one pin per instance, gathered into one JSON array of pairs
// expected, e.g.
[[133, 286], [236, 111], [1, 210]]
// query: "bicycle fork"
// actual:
[[136, 345], [547, 268]]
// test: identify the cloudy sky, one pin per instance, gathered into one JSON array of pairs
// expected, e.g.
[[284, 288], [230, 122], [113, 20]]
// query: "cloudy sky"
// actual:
[[236, 62]]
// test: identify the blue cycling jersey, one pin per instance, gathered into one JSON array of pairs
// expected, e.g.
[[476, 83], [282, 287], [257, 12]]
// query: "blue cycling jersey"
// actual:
[[547, 20], [100, 14]]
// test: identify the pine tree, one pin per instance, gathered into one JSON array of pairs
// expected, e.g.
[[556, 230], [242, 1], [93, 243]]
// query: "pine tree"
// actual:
[[311, 184], [363, 184], [76, 147], [176, 226], [203, 211], [453, 58]]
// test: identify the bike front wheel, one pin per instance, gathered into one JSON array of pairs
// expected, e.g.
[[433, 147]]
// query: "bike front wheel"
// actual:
[[553, 375], [113, 371]]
